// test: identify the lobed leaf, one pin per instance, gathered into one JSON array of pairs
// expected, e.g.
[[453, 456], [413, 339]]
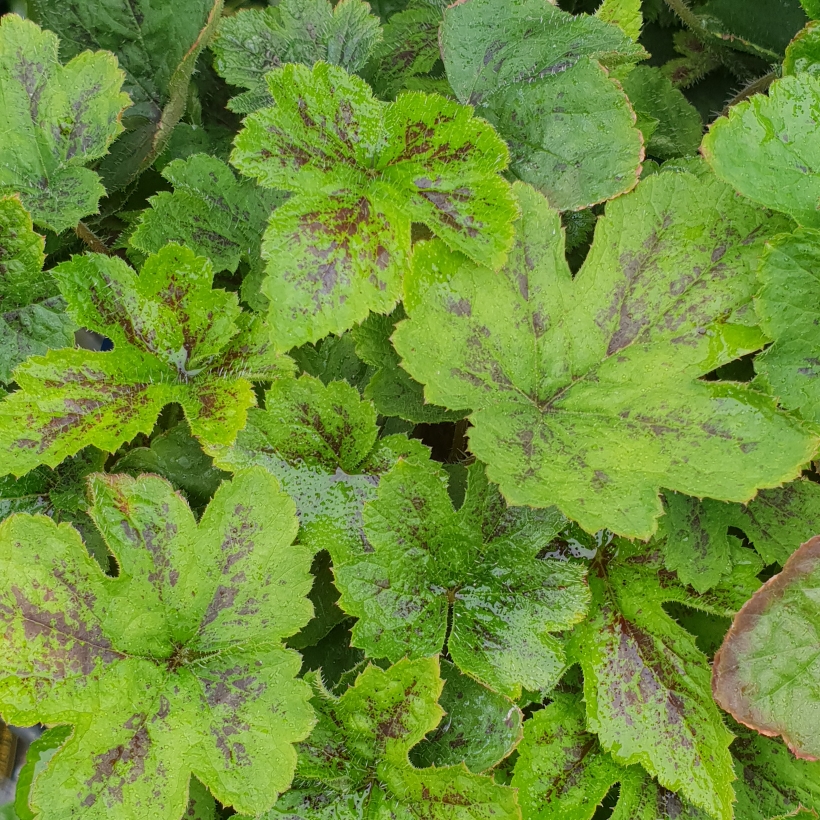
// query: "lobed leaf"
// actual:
[[764, 673], [646, 685], [427, 566], [355, 763], [255, 41], [59, 119], [361, 171], [157, 46], [209, 211], [775, 136], [175, 665], [175, 340], [321, 442], [538, 74], [555, 369]]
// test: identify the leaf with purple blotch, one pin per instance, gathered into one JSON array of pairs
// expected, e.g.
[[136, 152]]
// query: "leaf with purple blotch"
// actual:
[[59, 119], [355, 763], [321, 441], [470, 579], [175, 340], [361, 171], [646, 683], [176, 665], [587, 392]]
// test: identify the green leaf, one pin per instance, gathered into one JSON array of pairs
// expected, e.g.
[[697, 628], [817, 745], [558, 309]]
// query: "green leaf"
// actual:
[[561, 770], [409, 49], [324, 597], [777, 521], [38, 755], [321, 442], [333, 358], [355, 763], [786, 306], [646, 685], [697, 545], [176, 665], [537, 73], [586, 392], [60, 118], [765, 672], [481, 728], [209, 211], [338, 248], [679, 126], [392, 391], [476, 570], [157, 45], [253, 42], [31, 313], [641, 798], [626, 14], [770, 781], [177, 456], [803, 53], [812, 8], [60, 494], [201, 805], [175, 340], [768, 149]]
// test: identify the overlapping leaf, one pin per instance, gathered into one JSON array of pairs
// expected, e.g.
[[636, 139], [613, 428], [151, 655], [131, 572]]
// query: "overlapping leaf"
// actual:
[[646, 684], [321, 442], [253, 42], [789, 309], [562, 771], [58, 119], [765, 673], [157, 45], [390, 388], [585, 392], [476, 570], [538, 74], [32, 317], [210, 212], [803, 53], [175, 340], [176, 665], [670, 124], [481, 727], [355, 763], [696, 541], [409, 49], [768, 148], [361, 171], [177, 456]]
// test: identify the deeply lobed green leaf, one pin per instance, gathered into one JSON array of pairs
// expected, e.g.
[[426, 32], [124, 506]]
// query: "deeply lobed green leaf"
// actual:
[[586, 392], [176, 665]]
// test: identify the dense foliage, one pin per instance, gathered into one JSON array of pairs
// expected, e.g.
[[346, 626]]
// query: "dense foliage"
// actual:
[[409, 409]]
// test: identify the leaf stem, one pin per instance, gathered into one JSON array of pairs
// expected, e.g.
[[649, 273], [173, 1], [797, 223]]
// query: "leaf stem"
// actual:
[[758, 86], [91, 239], [710, 39]]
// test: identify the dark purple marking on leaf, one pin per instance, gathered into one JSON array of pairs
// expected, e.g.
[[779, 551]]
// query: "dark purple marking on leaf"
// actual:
[[120, 766]]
